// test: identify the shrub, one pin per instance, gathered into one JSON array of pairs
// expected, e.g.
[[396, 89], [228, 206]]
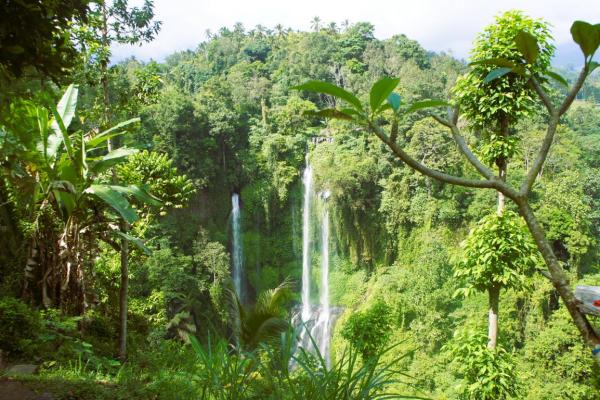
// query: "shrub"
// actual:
[[368, 331], [19, 325]]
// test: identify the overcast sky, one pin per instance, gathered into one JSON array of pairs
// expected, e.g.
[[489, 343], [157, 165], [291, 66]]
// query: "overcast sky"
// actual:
[[438, 25]]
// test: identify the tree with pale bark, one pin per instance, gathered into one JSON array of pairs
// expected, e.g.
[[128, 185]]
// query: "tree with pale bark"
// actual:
[[385, 106]]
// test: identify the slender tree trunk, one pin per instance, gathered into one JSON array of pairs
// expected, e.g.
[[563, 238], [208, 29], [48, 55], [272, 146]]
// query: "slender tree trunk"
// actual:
[[122, 225], [494, 289], [104, 68], [123, 296], [560, 280], [494, 301]]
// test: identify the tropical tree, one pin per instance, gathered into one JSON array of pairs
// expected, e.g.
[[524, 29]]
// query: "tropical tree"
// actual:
[[262, 322], [384, 104], [36, 35], [64, 181], [110, 23]]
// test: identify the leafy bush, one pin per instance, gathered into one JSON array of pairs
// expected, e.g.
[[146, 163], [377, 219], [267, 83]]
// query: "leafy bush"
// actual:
[[488, 374], [19, 325], [368, 331]]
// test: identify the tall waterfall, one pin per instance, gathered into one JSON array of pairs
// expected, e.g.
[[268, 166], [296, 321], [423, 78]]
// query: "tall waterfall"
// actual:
[[324, 315], [316, 320], [238, 252], [307, 180]]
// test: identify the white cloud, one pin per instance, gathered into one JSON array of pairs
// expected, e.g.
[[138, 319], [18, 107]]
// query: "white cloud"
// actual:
[[437, 25]]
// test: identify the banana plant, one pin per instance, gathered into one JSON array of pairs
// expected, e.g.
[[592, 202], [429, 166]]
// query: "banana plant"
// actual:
[[68, 174]]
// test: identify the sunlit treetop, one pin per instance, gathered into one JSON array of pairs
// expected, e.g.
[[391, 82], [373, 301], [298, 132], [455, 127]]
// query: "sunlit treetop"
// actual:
[[486, 102]]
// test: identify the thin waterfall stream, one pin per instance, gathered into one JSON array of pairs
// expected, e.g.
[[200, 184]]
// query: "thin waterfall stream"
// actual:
[[307, 181], [238, 251]]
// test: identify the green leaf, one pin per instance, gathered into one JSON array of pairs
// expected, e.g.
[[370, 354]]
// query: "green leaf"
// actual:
[[65, 202], [67, 105], [114, 199], [141, 194], [527, 45], [419, 105], [381, 90], [394, 101], [83, 155], [113, 158], [332, 90], [496, 73], [330, 113], [139, 243], [59, 136], [558, 78], [107, 134], [587, 36], [64, 186], [592, 66], [500, 62]]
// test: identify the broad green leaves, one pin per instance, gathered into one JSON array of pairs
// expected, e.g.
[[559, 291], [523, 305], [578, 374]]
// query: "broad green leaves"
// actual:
[[527, 45], [63, 115], [498, 252], [496, 73], [381, 98], [113, 197], [332, 90], [380, 91], [419, 105], [558, 78], [111, 159], [394, 100], [139, 243], [68, 104], [109, 133], [587, 36], [331, 113]]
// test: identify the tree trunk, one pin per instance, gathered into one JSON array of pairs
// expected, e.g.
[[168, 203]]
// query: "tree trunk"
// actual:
[[494, 301], [494, 289], [104, 68], [560, 280], [122, 225], [123, 296]]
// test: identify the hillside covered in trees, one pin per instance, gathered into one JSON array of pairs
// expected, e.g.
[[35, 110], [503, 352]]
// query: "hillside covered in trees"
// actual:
[[230, 223]]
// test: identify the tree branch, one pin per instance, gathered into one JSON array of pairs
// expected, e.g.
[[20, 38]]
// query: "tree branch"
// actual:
[[574, 90], [535, 85], [432, 173], [536, 167], [464, 147]]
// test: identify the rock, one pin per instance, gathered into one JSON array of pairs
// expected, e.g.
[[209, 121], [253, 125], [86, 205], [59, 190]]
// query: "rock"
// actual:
[[22, 369]]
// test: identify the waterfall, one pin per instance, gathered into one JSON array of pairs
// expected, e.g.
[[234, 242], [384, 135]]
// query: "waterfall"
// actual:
[[324, 315], [238, 252], [315, 319], [307, 180]]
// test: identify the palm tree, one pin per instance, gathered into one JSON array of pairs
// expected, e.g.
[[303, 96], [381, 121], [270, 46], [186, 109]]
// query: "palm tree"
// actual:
[[262, 322], [279, 29], [345, 24], [315, 24]]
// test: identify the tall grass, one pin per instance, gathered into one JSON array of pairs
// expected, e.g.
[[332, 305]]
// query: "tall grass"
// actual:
[[283, 372]]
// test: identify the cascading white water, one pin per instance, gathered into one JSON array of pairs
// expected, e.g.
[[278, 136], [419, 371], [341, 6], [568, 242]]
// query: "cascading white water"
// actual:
[[238, 252], [307, 180], [316, 320], [324, 315]]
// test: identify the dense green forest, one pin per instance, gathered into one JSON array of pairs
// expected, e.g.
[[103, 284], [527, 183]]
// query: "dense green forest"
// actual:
[[120, 238]]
